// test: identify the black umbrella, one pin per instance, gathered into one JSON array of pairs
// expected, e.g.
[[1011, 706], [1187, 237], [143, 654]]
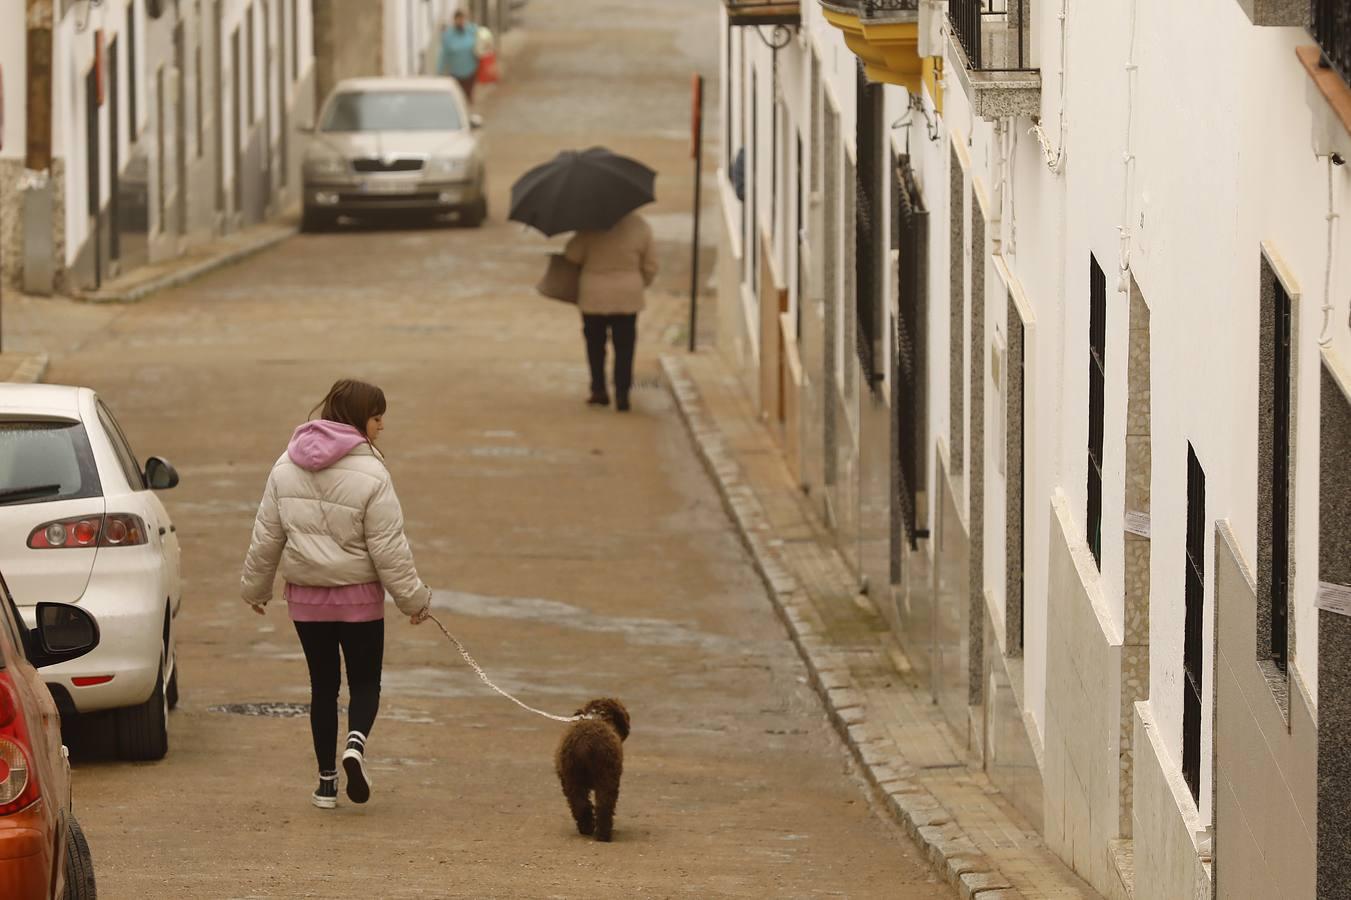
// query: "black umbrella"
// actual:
[[581, 190]]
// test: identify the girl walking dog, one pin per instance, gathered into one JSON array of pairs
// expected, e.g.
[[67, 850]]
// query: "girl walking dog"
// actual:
[[331, 524]]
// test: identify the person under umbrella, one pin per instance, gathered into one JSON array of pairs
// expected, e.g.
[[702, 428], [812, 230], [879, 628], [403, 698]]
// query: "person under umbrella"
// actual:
[[595, 193]]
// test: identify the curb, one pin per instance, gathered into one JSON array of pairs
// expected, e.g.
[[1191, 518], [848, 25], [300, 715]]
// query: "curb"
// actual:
[[188, 273], [950, 852], [32, 370]]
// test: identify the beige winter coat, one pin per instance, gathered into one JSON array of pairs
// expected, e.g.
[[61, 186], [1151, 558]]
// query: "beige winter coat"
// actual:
[[616, 266], [341, 525]]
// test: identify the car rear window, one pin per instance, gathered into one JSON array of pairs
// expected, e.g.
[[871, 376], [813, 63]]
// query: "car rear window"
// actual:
[[393, 111], [41, 462]]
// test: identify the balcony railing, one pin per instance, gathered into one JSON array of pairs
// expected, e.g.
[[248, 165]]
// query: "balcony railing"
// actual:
[[994, 33], [874, 9], [1331, 28], [764, 12], [885, 9]]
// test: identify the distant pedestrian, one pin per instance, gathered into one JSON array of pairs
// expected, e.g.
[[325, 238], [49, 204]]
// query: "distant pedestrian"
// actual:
[[460, 53], [617, 266], [331, 523]]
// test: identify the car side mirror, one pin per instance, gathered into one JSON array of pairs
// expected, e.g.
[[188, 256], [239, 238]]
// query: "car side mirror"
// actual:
[[475, 121], [63, 633], [160, 475]]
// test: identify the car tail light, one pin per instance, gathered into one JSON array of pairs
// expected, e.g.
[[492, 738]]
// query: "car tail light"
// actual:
[[18, 786], [116, 530]]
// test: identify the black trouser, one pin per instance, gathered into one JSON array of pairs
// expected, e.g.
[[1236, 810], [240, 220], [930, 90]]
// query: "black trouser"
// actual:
[[467, 85], [363, 646], [623, 331]]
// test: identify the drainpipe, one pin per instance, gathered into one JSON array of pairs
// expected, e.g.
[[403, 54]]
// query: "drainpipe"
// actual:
[[36, 185]]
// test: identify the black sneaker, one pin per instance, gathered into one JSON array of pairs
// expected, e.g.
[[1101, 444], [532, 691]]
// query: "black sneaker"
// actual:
[[622, 404], [598, 399], [326, 795], [354, 764]]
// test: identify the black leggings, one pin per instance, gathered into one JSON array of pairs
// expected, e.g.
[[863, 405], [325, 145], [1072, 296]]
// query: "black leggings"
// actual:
[[623, 331], [363, 646]]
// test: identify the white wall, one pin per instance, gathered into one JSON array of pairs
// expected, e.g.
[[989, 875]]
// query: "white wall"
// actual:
[[1223, 161]]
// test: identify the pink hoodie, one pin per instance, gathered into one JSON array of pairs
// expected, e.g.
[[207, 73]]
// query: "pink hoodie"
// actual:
[[317, 445], [314, 447]]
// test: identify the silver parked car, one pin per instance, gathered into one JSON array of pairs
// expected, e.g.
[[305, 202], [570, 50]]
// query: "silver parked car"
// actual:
[[386, 145]]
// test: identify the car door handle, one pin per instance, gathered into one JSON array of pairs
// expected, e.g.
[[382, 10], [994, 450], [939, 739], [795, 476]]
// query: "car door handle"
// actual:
[[163, 531]]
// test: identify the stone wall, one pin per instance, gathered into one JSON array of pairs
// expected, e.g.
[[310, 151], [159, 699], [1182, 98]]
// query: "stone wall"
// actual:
[[1082, 774], [1165, 820], [11, 221], [1265, 753], [348, 41]]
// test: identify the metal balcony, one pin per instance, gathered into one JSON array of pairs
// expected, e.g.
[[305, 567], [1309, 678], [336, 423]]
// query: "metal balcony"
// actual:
[[990, 44], [764, 12], [1331, 28], [875, 10], [993, 33]]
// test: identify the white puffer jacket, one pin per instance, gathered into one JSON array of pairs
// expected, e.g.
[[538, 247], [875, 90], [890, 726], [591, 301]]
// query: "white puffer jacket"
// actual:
[[334, 521]]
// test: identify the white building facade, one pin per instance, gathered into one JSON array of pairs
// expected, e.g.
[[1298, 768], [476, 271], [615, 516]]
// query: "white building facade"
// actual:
[[176, 123], [1056, 331]]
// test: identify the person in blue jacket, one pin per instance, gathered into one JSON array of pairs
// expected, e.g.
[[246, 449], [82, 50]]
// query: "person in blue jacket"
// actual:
[[459, 53]]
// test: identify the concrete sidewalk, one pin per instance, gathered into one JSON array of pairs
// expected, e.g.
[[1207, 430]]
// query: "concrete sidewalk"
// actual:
[[142, 281], [894, 731]]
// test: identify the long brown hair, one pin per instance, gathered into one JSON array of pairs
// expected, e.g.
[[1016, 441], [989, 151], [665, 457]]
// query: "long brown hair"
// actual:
[[352, 402]]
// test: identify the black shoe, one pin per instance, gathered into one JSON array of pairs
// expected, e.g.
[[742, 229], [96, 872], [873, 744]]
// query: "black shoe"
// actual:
[[326, 795], [622, 404], [354, 764], [598, 399]]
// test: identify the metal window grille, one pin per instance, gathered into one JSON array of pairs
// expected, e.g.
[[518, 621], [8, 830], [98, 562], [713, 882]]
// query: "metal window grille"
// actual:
[[1193, 677], [295, 40], [132, 79], [910, 225], [1097, 369], [878, 8], [867, 177], [1280, 479], [993, 33], [1331, 28]]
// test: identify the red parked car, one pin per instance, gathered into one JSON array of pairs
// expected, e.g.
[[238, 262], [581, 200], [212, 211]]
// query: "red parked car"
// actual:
[[43, 853]]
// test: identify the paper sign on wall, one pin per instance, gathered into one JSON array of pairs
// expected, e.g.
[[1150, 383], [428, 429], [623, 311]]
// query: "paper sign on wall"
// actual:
[[1335, 598], [1137, 523]]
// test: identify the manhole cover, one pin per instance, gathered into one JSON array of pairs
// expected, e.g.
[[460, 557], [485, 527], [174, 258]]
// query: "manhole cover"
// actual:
[[271, 710]]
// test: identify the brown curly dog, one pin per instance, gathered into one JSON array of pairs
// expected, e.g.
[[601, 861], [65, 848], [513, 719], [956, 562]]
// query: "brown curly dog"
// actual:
[[590, 757]]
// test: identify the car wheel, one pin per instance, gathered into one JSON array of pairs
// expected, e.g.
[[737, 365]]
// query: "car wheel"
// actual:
[[171, 690], [474, 216], [313, 221], [79, 864], [143, 731]]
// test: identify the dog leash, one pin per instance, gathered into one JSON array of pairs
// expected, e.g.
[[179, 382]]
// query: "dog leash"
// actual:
[[483, 676]]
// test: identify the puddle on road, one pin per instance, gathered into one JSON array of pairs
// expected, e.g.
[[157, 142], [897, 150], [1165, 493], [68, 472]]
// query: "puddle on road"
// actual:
[[635, 629], [270, 710]]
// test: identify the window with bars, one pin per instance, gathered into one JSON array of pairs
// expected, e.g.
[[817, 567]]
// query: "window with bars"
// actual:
[[868, 178], [1280, 313], [1097, 369], [910, 230], [133, 79], [1192, 647]]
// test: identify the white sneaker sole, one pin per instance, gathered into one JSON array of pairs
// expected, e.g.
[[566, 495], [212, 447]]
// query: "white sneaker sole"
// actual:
[[358, 785], [324, 802]]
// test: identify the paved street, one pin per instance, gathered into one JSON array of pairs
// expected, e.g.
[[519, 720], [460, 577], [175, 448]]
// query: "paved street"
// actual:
[[577, 552]]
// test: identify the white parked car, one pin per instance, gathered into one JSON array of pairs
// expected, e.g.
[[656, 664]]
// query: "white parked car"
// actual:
[[80, 523]]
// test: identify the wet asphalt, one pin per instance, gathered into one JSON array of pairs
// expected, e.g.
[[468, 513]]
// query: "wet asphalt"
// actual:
[[577, 553]]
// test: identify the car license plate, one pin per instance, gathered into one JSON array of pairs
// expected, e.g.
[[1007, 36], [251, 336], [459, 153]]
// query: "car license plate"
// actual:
[[384, 186]]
